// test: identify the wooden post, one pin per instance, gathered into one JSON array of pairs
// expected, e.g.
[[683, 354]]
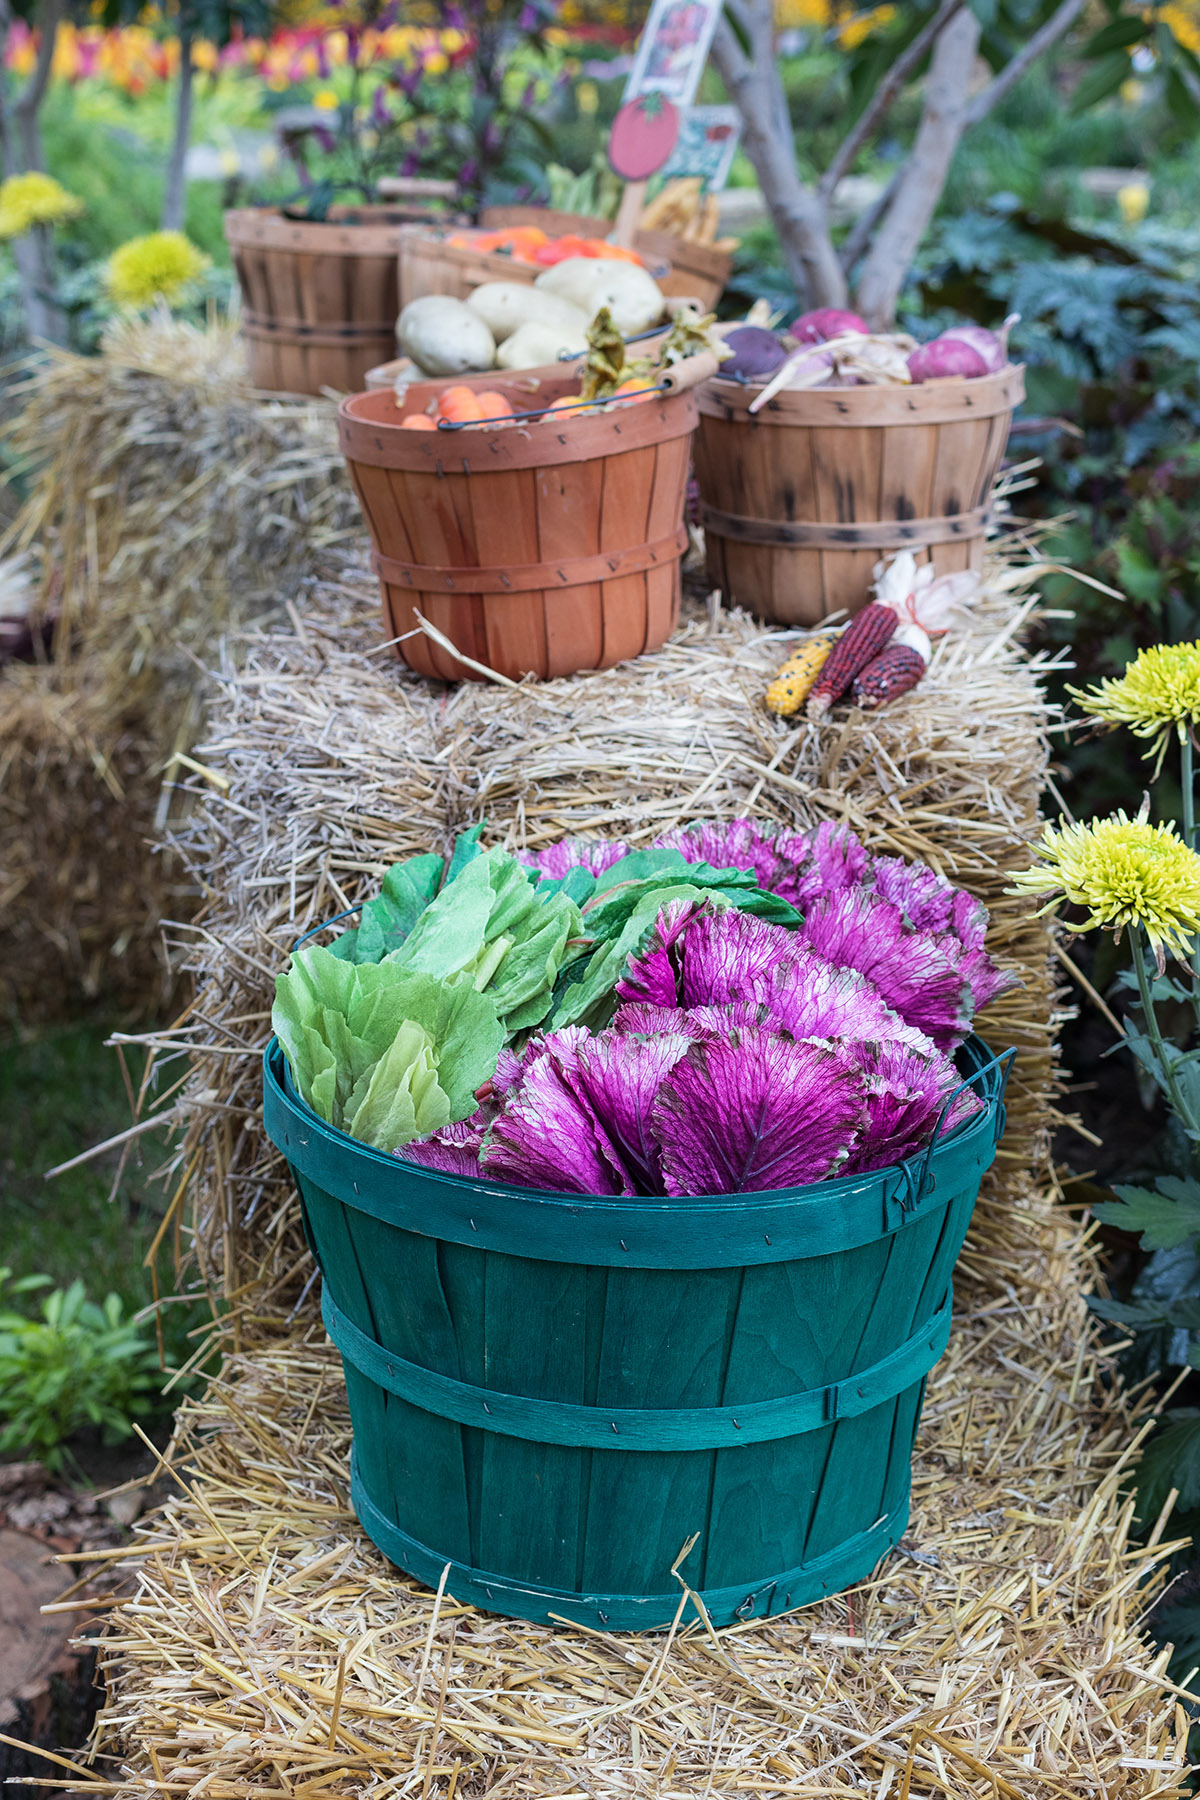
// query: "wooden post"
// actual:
[[628, 214]]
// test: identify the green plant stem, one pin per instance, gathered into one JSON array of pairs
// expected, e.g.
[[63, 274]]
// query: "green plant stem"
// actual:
[[1187, 783], [1156, 1037]]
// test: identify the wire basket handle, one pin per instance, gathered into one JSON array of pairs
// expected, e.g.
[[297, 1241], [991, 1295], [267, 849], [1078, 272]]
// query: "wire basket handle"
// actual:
[[326, 923], [1004, 1061]]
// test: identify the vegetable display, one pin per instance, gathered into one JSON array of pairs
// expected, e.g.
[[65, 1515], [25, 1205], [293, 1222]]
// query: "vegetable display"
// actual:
[[521, 325], [735, 1007], [834, 348], [609, 376]]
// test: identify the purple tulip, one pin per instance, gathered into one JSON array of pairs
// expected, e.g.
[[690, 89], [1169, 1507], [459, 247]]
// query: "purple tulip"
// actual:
[[381, 118]]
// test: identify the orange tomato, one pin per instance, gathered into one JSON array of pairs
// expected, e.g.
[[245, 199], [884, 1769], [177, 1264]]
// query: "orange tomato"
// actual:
[[640, 388], [493, 405], [617, 253], [418, 422], [459, 405]]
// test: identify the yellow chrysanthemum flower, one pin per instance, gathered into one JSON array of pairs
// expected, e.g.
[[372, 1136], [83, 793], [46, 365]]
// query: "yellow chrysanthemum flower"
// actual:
[[34, 199], [1159, 689], [1125, 872], [160, 266]]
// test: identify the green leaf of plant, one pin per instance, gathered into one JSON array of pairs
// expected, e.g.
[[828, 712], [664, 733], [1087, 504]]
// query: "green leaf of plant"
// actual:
[[387, 921], [1101, 81], [399, 1098], [1171, 1459], [1166, 1217], [491, 923]]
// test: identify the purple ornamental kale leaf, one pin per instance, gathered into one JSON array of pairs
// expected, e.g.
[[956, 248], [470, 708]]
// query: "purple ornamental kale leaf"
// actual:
[[620, 1076], [811, 864], [928, 901], [557, 860], [548, 1134], [727, 844], [911, 969], [640, 1019], [810, 998], [653, 974], [727, 955], [454, 1150], [905, 1094], [754, 1112]]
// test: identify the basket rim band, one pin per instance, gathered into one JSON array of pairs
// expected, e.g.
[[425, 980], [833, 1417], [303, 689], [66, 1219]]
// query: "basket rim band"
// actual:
[[524, 578], [644, 1428], [876, 534], [259, 325]]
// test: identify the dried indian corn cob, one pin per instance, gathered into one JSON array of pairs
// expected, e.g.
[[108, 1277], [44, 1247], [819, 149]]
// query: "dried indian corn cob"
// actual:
[[896, 669], [863, 638], [791, 686]]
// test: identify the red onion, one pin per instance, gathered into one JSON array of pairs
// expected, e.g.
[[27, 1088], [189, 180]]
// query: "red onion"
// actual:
[[757, 353], [991, 345], [825, 323], [946, 356]]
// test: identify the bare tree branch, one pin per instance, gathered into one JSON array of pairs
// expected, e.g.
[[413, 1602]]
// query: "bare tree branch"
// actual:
[[885, 94], [1055, 27], [923, 175], [799, 213], [174, 209], [21, 144], [26, 106], [737, 12], [856, 240]]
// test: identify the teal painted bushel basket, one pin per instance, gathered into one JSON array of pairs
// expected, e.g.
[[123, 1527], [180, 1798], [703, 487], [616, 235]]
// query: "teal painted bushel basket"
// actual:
[[554, 1393]]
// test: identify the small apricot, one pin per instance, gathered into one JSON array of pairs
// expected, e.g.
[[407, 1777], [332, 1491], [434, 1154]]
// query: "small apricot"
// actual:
[[417, 422]]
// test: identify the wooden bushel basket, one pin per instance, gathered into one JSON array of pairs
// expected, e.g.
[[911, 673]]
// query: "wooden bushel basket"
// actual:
[[541, 548], [801, 500], [319, 299], [555, 1393]]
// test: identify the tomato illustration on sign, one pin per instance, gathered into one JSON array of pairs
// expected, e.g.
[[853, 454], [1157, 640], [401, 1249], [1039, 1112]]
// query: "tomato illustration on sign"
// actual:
[[643, 136]]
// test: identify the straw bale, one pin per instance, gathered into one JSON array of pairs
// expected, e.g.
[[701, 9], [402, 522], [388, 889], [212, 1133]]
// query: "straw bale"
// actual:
[[270, 1650], [338, 761], [166, 503]]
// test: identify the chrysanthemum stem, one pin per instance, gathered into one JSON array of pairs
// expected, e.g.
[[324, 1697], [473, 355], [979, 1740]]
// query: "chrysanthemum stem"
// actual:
[[1187, 782], [1155, 1035]]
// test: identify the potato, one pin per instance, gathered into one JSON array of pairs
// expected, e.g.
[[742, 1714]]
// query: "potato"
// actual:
[[445, 337], [535, 344], [504, 306], [631, 295]]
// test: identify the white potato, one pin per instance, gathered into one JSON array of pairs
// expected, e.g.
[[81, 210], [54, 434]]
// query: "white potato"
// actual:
[[444, 337], [631, 295], [535, 344], [504, 306]]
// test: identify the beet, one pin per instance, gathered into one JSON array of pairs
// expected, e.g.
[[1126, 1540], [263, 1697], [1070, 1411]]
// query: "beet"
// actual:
[[946, 356], [825, 323], [757, 353]]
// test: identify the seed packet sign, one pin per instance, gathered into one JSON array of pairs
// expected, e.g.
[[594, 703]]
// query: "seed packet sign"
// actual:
[[673, 50], [706, 145]]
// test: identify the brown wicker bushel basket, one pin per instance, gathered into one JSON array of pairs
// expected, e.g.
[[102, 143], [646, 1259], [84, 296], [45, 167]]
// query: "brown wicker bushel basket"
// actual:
[[319, 298], [802, 499], [540, 548]]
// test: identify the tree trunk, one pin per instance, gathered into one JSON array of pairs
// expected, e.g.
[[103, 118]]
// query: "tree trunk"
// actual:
[[21, 143], [943, 121], [174, 212], [799, 214]]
